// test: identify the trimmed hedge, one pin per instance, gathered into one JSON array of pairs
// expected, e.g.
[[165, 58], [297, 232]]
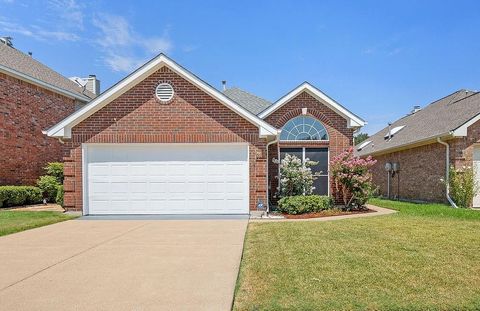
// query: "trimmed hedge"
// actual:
[[301, 204], [19, 195]]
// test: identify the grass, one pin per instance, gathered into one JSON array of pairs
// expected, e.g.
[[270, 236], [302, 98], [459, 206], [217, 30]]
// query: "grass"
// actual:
[[426, 257], [16, 221]]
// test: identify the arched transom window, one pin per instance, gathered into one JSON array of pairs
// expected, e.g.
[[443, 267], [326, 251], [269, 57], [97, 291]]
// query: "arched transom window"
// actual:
[[303, 128]]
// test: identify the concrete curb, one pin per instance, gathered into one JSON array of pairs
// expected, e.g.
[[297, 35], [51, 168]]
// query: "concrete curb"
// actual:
[[379, 211]]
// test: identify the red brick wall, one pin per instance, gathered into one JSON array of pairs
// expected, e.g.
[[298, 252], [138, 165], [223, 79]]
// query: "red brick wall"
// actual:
[[191, 117], [26, 110], [421, 172], [340, 136], [422, 168]]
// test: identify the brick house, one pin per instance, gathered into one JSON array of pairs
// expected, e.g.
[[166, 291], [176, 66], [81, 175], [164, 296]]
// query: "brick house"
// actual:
[[33, 97], [423, 146], [162, 141]]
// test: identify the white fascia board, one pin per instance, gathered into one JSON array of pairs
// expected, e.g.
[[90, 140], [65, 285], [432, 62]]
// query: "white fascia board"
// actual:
[[138, 76], [462, 130], [32, 80], [353, 120]]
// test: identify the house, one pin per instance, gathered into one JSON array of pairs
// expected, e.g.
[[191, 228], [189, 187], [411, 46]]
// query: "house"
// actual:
[[32, 97], [420, 147], [162, 141]]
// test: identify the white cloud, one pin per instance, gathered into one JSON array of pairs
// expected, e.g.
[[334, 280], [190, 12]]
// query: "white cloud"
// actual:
[[69, 11], [390, 46], [37, 32], [122, 63], [131, 49]]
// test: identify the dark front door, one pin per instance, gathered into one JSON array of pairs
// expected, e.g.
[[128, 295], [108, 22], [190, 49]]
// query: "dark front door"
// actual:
[[319, 155]]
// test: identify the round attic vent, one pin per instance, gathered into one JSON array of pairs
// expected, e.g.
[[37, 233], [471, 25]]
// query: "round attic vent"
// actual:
[[164, 92]]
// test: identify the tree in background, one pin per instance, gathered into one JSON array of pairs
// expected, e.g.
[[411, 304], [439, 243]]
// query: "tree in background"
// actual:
[[360, 137]]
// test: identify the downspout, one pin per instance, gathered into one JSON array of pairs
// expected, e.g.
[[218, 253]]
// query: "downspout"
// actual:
[[268, 175], [447, 172]]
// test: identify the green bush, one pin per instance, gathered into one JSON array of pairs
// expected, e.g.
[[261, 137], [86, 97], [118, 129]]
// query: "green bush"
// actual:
[[19, 195], [463, 186], [301, 204], [34, 195], [49, 185], [59, 199], [55, 169]]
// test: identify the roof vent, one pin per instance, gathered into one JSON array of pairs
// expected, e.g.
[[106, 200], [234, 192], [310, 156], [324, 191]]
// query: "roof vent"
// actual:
[[7, 41], [164, 92], [363, 145], [416, 109], [392, 132]]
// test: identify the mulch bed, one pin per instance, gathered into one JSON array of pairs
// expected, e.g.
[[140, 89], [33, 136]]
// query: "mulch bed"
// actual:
[[327, 213]]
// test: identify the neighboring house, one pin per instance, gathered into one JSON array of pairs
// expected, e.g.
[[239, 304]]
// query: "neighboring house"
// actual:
[[415, 144], [162, 141], [32, 97]]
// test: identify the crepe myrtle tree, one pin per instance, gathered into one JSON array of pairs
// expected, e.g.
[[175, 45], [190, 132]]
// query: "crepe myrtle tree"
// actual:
[[352, 178], [296, 177]]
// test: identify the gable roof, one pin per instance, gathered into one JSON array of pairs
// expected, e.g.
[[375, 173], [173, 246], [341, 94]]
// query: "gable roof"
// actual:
[[448, 116], [251, 102], [353, 120], [25, 67], [63, 129]]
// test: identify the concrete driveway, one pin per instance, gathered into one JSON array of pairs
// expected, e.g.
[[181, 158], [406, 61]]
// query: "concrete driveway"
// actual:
[[122, 265]]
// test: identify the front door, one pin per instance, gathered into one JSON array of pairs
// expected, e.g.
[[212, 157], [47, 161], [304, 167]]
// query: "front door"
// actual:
[[319, 155]]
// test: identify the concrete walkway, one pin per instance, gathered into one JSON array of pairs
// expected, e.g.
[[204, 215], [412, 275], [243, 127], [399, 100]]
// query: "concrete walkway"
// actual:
[[122, 265], [378, 212]]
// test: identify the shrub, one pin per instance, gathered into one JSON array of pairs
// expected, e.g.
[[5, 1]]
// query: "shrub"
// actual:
[[34, 195], [55, 169], [59, 198], [49, 185], [296, 177], [463, 186], [301, 204], [352, 178], [19, 195]]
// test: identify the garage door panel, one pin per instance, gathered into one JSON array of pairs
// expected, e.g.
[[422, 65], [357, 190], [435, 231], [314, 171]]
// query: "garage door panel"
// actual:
[[121, 187], [167, 179]]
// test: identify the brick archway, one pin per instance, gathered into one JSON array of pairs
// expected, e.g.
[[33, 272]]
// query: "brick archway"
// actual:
[[298, 112]]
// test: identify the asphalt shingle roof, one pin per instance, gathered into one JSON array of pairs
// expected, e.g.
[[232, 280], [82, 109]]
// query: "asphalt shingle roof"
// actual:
[[251, 102], [436, 119], [25, 64]]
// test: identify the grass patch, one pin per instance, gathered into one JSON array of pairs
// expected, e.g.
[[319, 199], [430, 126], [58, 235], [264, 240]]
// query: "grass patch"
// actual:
[[16, 221], [426, 257]]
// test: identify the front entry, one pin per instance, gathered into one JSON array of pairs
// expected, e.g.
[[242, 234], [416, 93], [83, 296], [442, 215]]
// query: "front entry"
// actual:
[[319, 155]]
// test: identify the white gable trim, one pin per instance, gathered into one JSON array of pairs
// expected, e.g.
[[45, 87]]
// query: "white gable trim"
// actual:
[[63, 129], [462, 130], [353, 120]]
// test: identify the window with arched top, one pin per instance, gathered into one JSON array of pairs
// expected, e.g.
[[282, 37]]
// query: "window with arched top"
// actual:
[[303, 128]]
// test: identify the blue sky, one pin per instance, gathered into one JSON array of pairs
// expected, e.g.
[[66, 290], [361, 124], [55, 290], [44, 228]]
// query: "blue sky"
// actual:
[[377, 58]]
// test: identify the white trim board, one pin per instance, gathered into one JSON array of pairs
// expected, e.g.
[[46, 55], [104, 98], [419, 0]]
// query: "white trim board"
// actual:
[[462, 130], [353, 120], [63, 129]]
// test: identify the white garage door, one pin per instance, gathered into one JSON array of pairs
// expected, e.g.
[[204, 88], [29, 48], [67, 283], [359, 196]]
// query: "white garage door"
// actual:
[[167, 179]]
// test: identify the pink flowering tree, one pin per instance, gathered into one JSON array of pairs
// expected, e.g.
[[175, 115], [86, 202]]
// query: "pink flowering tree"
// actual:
[[352, 178]]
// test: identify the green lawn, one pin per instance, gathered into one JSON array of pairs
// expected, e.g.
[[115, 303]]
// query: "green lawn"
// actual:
[[426, 257], [15, 221]]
